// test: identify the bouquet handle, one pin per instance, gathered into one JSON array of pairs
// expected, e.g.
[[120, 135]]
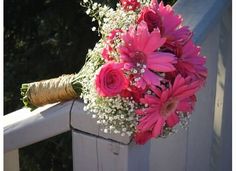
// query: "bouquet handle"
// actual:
[[63, 88]]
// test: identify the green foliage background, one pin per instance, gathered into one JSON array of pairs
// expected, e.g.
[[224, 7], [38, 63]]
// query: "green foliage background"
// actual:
[[44, 39]]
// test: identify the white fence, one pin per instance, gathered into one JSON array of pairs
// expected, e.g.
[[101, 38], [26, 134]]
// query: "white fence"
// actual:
[[205, 146]]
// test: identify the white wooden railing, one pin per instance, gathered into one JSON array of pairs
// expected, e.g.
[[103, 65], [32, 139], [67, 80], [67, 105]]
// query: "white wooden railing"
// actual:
[[205, 146]]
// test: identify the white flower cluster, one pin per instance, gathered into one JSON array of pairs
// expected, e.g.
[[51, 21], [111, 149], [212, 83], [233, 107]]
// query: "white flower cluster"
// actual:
[[108, 18], [115, 115], [117, 19], [184, 119], [92, 64]]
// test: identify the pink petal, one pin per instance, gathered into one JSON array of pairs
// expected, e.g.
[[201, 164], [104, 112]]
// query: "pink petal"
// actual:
[[180, 36], [162, 62], [141, 83], [179, 81], [151, 78], [154, 42], [161, 57], [158, 127], [147, 122], [165, 95], [150, 99], [142, 36], [155, 90], [170, 20], [142, 137], [162, 67], [172, 120], [186, 105], [187, 90]]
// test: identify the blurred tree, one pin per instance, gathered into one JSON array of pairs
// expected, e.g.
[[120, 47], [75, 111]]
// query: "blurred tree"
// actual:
[[44, 39]]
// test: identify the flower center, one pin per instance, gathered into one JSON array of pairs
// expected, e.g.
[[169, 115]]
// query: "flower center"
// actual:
[[169, 107], [139, 57]]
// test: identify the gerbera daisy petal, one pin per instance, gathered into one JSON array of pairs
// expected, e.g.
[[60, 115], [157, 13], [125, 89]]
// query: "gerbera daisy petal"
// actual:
[[158, 127], [172, 120], [154, 42]]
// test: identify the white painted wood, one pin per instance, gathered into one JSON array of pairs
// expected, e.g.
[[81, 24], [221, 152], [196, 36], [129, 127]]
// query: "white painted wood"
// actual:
[[222, 140], [201, 128], [11, 161], [83, 121], [94, 153], [84, 152], [139, 157], [22, 127], [169, 154], [201, 16], [118, 157]]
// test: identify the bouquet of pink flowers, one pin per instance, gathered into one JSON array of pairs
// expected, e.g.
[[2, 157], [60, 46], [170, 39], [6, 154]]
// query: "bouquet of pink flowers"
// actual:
[[142, 77]]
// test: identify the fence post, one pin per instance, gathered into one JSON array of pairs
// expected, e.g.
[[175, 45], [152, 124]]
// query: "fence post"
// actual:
[[221, 157], [96, 151], [11, 161]]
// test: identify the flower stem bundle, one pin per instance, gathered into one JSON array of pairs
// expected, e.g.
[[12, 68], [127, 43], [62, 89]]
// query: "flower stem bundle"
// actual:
[[63, 88]]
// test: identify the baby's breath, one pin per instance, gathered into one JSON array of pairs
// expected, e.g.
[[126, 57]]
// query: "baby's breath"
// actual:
[[114, 114], [109, 18]]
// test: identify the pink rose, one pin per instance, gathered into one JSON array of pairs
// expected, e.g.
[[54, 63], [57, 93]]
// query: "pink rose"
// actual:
[[111, 80], [151, 17], [130, 4]]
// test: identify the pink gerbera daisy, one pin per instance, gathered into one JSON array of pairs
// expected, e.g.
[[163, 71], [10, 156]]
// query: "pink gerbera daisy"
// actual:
[[164, 18], [190, 62], [163, 107], [140, 55]]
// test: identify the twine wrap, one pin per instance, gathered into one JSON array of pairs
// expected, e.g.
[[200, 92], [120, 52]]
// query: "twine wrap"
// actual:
[[52, 90]]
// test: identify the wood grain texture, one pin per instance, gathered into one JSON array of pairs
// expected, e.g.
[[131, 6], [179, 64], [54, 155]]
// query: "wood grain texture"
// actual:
[[201, 126]]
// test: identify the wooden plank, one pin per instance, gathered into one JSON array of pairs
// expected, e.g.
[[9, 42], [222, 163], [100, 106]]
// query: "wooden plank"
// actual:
[[119, 157], [98, 154], [11, 161], [222, 140], [22, 127], [201, 128], [170, 153], [112, 156], [84, 152], [139, 157]]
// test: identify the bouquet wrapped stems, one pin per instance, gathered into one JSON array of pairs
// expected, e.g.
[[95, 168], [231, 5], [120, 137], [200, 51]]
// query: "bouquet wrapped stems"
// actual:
[[63, 88]]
